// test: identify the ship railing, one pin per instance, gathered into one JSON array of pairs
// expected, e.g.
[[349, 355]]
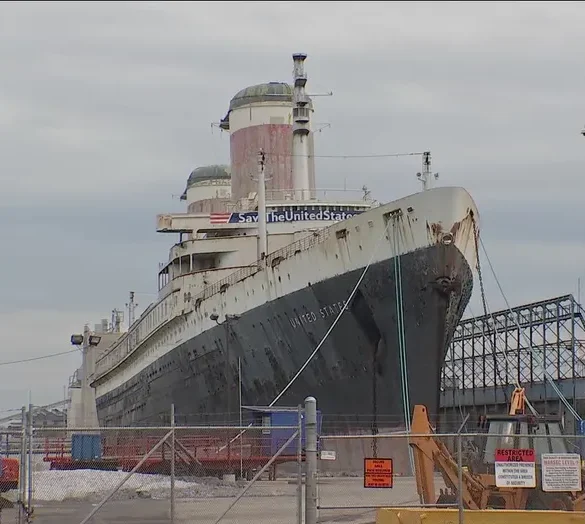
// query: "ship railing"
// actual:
[[136, 334], [307, 242], [337, 195], [272, 259], [231, 279]]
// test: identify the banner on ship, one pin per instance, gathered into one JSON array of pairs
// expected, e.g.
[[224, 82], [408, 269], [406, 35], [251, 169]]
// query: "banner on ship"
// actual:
[[285, 215]]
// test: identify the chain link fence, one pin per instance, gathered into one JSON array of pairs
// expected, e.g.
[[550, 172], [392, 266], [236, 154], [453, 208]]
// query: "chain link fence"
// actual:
[[267, 473], [172, 474]]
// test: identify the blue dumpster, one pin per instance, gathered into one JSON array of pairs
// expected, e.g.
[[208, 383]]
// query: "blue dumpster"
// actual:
[[86, 447]]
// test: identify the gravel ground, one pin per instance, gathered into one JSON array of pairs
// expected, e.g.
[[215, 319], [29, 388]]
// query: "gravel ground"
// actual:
[[203, 501]]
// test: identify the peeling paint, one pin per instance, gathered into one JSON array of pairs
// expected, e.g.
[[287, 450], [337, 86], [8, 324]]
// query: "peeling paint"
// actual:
[[459, 230], [245, 144]]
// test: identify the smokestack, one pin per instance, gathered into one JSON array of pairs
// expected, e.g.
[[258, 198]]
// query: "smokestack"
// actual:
[[301, 130]]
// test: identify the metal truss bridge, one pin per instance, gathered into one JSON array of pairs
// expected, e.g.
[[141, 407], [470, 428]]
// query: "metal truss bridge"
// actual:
[[490, 354]]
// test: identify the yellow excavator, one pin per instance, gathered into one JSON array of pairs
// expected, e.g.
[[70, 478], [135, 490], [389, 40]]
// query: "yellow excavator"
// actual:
[[479, 490]]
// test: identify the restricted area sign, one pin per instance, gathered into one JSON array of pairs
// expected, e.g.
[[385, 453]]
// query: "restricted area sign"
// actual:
[[378, 473], [561, 472], [515, 468]]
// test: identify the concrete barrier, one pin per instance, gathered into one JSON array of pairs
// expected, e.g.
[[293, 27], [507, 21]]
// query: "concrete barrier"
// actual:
[[495, 516]]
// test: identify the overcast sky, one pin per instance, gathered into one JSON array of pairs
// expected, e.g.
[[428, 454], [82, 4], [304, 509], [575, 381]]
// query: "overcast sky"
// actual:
[[106, 108]]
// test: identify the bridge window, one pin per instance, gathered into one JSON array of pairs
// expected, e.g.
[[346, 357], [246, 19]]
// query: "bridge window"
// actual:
[[201, 262], [163, 278], [185, 265]]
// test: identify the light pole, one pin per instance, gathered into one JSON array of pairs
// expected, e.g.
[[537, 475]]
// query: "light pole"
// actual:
[[84, 342], [228, 371]]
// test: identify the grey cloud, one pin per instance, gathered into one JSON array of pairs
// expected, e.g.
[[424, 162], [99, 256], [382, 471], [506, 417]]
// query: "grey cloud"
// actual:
[[97, 251]]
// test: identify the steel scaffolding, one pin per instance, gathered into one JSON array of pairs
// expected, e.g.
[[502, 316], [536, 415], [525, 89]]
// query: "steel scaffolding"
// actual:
[[495, 351]]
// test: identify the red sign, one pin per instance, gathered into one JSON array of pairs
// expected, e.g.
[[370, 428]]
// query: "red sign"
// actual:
[[378, 473], [515, 455]]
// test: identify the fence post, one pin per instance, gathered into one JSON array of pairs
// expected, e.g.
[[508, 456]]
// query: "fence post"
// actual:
[[173, 464], [22, 467], [459, 478], [300, 466], [311, 460], [30, 450]]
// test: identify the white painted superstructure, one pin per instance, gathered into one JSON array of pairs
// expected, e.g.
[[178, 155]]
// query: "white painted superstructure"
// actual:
[[208, 189], [260, 114]]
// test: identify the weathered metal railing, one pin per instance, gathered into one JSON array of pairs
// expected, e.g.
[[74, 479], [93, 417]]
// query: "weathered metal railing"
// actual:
[[285, 252]]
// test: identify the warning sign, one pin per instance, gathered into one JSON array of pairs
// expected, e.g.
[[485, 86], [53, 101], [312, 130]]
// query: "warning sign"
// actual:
[[515, 455], [378, 473], [328, 455], [515, 468], [561, 472]]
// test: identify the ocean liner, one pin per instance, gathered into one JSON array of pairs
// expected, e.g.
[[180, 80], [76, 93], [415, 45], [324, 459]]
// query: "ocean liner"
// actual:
[[266, 264]]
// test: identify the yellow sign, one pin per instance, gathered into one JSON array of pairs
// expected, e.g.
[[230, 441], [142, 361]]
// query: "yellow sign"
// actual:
[[378, 473]]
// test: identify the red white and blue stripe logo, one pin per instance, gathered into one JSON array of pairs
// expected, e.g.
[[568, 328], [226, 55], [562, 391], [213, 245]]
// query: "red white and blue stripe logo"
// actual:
[[219, 218]]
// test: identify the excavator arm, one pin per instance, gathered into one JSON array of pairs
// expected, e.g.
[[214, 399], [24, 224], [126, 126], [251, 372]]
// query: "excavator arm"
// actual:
[[429, 452], [518, 402]]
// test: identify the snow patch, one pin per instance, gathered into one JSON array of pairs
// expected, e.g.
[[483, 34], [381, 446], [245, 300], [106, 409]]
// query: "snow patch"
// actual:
[[92, 485]]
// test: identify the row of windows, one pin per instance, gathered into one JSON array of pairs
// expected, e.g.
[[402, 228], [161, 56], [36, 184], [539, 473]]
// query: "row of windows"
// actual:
[[318, 208]]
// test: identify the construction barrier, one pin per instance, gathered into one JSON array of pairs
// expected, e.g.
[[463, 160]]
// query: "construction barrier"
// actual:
[[442, 516]]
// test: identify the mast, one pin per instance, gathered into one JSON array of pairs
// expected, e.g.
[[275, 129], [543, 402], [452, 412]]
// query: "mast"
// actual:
[[262, 232], [301, 130], [131, 309], [426, 177], [116, 320]]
